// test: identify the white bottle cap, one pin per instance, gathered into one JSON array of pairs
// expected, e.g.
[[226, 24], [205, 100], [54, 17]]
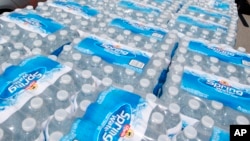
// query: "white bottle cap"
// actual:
[[55, 136], [205, 32], [37, 43], [63, 32], [214, 69], [93, 19], [231, 68], [77, 40], [120, 38], [183, 50], [157, 63], [127, 32], [84, 104], [87, 88], [169, 41], [234, 79], [67, 48], [190, 132], [174, 108], [216, 105], [15, 55], [95, 30], [52, 57], [197, 58], [197, 67], [151, 73], [152, 40], [207, 121], [86, 74], [1, 133], [28, 124], [32, 35], [108, 69], [182, 25], [107, 81], [164, 47], [111, 30], [137, 38], [181, 59], [62, 95], [128, 88], [242, 120], [178, 68], [66, 79], [194, 104], [11, 25], [157, 118], [173, 91], [161, 55], [84, 23], [144, 82], [241, 49], [96, 59], [151, 97], [60, 115], [176, 78], [102, 24], [69, 64], [36, 103], [36, 51], [15, 32], [52, 37], [18, 45], [148, 46], [129, 72], [29, 7], [76, 56], [163, 138], [214, 60]]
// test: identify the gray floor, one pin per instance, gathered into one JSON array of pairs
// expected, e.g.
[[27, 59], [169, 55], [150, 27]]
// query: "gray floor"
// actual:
[[243, 34]]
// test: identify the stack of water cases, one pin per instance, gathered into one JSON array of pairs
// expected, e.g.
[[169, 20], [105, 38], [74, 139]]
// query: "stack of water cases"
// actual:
[[122, 70]]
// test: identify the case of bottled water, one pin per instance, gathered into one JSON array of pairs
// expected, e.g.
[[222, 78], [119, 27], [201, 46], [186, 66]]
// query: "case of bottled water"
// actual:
[[150, 70]]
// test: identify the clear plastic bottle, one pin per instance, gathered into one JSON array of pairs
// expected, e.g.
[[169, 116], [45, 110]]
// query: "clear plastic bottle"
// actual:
[[205, 128], [188, 134], [60, 122], [171, 95], [191, 108], [55, 136], [173, 120], [30, 130]]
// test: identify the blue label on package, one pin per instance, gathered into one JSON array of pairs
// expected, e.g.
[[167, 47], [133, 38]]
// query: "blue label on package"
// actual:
[[232, 94], [115, 53], [75, 8], [209, 13], [26, 80], [35, 23], [139, 28], [229, 55], [116, 115], [201, 23], [139, 7], [221, 5]]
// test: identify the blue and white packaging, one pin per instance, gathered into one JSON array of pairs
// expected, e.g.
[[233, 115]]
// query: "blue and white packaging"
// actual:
[[125, 119], [231, 94], [139, 28], [115, 53], [139, 7], [34, 23], [75, 8], [30, 78], [225, 54]]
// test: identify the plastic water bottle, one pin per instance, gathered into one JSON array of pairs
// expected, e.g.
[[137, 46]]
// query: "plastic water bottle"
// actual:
[[156, 121], [55, 136], [60, 122], [30, 131], [192, 108], [188, 134], [173, 119], [66, 82], [205, 127], [171, 94]]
